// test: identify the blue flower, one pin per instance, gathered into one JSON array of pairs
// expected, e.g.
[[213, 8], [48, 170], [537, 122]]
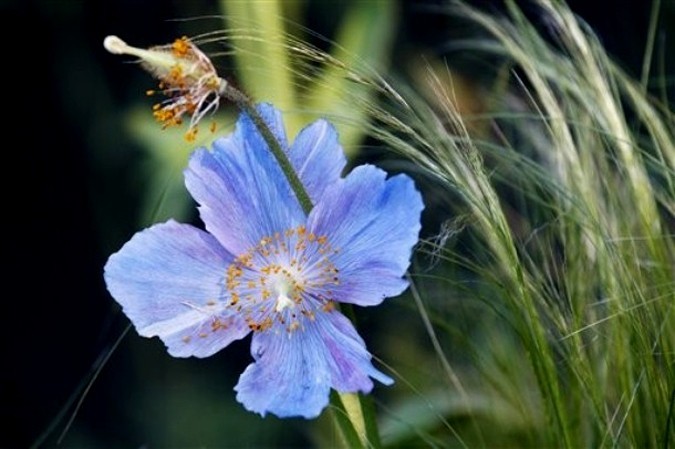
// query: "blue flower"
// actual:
[[263, 266]]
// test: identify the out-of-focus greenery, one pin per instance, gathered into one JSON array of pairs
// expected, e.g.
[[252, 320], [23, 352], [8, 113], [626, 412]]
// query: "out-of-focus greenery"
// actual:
[[550, 311]]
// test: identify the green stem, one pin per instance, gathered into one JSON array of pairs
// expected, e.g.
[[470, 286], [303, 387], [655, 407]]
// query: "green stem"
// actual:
[[359, 408], [246, 105], [350, 431], [354, 413]]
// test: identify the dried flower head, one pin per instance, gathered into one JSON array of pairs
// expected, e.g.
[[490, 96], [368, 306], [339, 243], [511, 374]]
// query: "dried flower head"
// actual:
[[186, 76]]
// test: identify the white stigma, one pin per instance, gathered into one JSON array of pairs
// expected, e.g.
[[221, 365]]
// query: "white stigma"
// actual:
[[283, 301], [115, 45]]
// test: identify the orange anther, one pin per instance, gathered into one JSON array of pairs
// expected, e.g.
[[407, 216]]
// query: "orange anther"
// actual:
[[181, 47], [191, 134]]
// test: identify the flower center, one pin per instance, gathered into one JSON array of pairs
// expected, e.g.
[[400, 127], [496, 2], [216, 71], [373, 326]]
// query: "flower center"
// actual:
[[282, 287], [285, 279]]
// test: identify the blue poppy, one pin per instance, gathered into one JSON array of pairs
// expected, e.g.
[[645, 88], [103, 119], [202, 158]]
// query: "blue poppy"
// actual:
[[263, 266]]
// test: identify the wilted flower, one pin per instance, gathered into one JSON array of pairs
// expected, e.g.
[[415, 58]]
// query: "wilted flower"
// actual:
[[266, 267], [186, 76]]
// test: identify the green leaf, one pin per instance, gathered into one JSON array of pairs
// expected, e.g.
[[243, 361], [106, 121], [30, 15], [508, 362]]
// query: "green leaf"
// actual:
[[263, 65], [364, 39]]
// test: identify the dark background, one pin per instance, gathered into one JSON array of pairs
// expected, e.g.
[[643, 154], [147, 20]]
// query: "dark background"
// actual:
[[73, 196]]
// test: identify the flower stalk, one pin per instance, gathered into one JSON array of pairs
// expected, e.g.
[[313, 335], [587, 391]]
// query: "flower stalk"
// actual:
[[193, 86], [248, 107]]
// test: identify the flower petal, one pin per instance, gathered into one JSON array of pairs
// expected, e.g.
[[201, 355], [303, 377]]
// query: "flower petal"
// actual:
[[289, 376], [243, 194], [349, 361], [374, 223], [317, 158], [293, 372], [169, 281]]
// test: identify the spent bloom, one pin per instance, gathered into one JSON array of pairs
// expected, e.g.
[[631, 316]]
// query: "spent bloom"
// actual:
[[186, 77], [265, 267]]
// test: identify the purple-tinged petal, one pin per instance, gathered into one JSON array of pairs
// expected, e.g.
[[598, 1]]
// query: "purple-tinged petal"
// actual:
[[169, 281], [374, 224], [294, 371], [317, 158], [243, 194], [348, 359]]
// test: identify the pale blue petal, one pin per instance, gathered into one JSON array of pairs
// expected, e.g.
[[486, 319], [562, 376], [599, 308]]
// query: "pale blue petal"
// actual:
[[169, 281], [243, 194], [374, 224], [289, 377], [294, 371], [349, 361], [317, 158]]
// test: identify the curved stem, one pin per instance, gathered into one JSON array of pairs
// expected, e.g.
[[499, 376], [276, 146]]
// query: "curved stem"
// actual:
[[246, 105]]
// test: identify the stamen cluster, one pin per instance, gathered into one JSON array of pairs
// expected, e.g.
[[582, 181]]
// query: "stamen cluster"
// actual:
[[191, 85], [186, 77], [286, 277]]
